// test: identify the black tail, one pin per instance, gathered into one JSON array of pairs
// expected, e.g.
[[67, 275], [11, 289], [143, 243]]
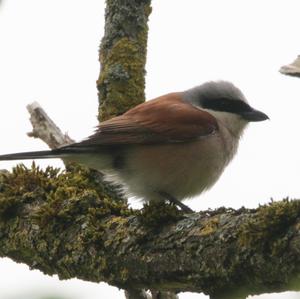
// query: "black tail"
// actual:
[[56, 153]]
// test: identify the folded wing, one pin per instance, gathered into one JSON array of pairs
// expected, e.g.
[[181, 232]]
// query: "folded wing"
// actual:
[[163, 120]]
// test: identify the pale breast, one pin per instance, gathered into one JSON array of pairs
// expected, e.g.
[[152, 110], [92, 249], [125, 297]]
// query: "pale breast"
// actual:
[[182, 170]]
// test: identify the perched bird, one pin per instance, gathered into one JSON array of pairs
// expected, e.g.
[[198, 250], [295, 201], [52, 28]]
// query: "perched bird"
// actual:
[[169, 148]]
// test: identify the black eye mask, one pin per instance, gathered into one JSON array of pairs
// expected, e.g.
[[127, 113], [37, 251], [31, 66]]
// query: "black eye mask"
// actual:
[[226, 105]]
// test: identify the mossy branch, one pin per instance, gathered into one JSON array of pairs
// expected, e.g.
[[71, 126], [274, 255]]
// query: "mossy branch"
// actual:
[[71, 224], [123, 57], [62, 223]]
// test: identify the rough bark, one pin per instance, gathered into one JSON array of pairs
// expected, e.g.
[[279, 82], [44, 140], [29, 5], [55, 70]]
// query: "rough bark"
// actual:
[[74, 231], [123, 56], [65, 223]]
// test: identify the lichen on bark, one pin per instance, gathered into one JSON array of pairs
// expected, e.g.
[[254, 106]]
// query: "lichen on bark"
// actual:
[[61, 223], [122, 57], [71, 224], [48, 215]]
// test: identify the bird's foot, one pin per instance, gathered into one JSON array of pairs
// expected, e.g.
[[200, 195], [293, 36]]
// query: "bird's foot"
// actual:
[[176, 202]]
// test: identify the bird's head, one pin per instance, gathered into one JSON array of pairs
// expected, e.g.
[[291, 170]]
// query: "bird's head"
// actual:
[[226, 103]]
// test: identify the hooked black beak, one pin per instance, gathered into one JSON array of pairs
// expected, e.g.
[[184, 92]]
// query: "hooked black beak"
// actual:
[[254, 115]]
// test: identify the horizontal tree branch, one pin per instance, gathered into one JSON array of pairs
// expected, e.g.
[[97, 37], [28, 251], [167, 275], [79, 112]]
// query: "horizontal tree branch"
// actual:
[[60, 224]]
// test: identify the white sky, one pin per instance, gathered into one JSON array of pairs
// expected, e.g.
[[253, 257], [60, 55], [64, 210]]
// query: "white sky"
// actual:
[[49, 54]]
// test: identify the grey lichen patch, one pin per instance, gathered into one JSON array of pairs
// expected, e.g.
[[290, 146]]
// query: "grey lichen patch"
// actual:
[[124, 18]]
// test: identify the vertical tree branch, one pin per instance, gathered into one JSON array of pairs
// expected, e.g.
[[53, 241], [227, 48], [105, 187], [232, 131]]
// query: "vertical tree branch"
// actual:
[[123, 56]]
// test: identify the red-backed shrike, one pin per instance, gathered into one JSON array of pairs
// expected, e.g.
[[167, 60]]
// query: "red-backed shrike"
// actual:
[[172, 147]]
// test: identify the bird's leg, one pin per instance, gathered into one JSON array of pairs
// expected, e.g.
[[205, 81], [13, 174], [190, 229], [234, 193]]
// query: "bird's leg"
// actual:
[[176, 202]]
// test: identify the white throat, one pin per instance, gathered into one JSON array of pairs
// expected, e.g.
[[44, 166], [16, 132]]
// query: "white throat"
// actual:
[[232, 122]]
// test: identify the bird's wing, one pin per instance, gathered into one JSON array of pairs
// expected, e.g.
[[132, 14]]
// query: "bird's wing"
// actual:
[[163, 120]]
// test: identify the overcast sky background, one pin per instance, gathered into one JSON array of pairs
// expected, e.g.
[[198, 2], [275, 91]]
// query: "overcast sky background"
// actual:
[[49, 54]]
